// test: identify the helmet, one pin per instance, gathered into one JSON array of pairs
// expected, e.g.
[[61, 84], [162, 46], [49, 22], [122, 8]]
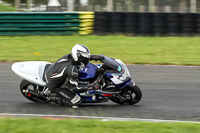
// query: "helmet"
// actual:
[[81, 54]]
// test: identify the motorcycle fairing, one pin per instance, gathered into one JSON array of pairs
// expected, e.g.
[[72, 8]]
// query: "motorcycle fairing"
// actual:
[[97, 98], [120, 76], [88, 72], [31, 71]]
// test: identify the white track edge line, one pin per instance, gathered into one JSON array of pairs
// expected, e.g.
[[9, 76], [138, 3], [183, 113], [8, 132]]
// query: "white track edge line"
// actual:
[[96, 117]]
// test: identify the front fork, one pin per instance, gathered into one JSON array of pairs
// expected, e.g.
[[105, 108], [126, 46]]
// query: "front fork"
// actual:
[[124, 95]]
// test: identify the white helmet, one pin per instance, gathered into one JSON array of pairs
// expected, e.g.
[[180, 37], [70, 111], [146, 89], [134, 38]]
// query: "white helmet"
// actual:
[[81, 54]]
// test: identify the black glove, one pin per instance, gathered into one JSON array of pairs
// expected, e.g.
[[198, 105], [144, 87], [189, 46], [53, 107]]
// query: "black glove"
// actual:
[[101, 58], [97, 57]]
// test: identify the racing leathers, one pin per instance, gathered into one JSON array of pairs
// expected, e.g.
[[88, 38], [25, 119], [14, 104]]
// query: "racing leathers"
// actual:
[[62, 79]]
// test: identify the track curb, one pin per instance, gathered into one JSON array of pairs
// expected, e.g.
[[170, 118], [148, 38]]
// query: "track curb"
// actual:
[[49, 116]]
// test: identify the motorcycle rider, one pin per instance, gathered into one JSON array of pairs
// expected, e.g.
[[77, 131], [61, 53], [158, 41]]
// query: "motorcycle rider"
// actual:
[[62, 76]]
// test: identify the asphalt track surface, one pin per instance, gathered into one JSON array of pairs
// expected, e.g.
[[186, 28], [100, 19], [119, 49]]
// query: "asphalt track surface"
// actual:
[[169, 93]]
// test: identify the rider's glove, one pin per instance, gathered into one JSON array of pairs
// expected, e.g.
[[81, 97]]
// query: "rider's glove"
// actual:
[[97, 57], [101, 58]]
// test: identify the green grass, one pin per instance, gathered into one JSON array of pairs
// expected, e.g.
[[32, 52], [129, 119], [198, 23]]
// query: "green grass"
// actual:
[[134, 50], [4, 8], [38, 125]]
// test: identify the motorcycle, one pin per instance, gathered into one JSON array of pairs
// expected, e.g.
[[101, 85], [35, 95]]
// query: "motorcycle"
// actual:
[[112, 74]]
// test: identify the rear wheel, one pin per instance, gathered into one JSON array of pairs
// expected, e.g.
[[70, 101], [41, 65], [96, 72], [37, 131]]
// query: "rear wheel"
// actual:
[[131, 95], [26, 86]]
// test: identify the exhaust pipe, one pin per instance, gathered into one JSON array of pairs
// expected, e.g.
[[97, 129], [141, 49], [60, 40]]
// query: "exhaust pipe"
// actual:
[[33, 94]]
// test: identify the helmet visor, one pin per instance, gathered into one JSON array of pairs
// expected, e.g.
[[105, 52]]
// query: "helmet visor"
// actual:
[[84, 57], [85, 54]]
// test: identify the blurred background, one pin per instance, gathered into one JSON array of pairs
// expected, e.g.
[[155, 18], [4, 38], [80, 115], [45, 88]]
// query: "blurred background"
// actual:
[[135, 17], [179, 6]]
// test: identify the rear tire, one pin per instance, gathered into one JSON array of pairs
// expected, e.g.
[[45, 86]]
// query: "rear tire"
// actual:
[[24, 85], [127, 95]]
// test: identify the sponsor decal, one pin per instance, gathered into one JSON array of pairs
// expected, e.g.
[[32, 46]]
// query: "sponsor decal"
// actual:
[[54, 74]]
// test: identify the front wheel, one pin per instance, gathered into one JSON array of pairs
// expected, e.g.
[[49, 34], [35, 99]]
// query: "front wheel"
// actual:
[[130, 95]]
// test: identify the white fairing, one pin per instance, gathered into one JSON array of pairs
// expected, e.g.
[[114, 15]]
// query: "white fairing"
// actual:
[[118, 78], [31, 71]]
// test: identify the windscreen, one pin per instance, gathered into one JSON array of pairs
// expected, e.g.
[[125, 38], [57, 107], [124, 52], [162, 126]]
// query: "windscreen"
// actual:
[[111, 64]]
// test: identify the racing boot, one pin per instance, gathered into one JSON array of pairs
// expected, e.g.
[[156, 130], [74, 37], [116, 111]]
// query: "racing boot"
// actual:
[[69, 98]]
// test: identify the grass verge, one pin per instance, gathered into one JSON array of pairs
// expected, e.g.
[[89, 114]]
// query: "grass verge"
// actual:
[[134, 50], [37, 125], [4, 8]]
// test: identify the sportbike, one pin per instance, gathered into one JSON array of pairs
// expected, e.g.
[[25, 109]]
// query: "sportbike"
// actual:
[[112, 74]]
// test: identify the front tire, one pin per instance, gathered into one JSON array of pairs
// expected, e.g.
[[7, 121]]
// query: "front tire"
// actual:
[[130, 95]]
